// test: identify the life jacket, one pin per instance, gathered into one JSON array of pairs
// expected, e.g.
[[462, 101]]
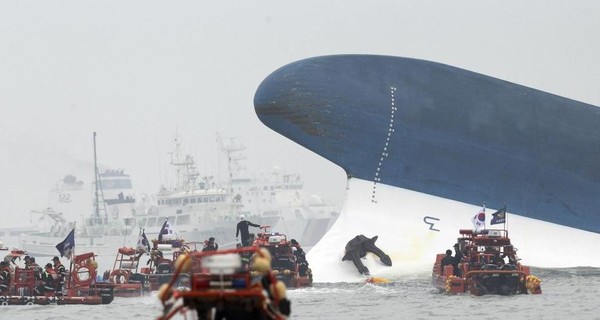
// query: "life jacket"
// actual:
[[50, 279]]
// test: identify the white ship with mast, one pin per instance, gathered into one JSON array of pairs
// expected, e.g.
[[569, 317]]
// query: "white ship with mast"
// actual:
[[102, 216], [197, 207], [202, 207]]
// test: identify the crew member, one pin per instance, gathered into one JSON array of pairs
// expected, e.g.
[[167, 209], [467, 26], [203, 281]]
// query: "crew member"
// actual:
[[49, 281], [448, 259], [210, 245], [27, 260], [4, 277], [61, 273], [245, 257], [458, 256], [300, 257], [242, 230], [37, 270]]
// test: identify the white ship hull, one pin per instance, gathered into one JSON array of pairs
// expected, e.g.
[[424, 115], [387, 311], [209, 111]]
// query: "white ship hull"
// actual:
[[413, 227]]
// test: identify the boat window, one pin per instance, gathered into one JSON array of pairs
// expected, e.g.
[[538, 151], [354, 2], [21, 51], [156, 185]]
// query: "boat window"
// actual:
[[151, 222], [185, 201], [129, 221], [142, 222], [193, 200], [115, 184], [184, 219], [172, 218]]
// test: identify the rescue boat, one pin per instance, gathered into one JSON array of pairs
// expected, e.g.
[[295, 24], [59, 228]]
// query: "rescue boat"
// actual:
[[483, 268], [80, 286], [160, 267], [288, 261], [124, 276], [221, 287]]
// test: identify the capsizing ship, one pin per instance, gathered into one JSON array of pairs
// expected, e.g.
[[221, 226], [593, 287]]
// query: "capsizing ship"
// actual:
[[425, 145]]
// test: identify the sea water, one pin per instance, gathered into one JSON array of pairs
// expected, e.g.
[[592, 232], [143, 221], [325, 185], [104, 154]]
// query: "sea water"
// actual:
[[572, 293]]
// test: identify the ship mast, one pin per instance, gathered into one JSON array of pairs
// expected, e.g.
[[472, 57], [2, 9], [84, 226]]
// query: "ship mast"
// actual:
[[232, 153], [98, 189], [185, 168]]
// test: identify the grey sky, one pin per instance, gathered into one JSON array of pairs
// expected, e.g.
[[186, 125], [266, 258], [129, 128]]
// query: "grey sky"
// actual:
[[137, 71]]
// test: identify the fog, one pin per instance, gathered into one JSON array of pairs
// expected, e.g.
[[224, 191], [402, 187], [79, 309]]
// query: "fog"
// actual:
[[137, 72]]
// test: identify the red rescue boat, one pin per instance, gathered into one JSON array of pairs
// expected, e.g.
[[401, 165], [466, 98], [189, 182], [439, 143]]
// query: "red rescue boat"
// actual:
[[27, 288], [483, 268], [288, 259]]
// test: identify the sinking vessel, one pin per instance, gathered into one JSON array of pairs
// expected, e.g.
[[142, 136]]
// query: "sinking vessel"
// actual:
[[424, 144]]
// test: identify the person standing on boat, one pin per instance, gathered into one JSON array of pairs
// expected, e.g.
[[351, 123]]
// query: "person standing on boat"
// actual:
[[49, 281], [242, 230], [37, 270], [61, 272], [210, 245], [300, 257], [447, 260], [458, 256], [4, 277]]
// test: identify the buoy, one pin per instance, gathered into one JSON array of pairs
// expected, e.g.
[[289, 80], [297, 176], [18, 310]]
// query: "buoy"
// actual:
[[164, 292], [280, 288], [377, 280], [264, 253], [184, 262], [261, 265]]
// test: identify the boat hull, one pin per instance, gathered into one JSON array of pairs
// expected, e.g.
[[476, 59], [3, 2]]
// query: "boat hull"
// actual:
[[424, 145]]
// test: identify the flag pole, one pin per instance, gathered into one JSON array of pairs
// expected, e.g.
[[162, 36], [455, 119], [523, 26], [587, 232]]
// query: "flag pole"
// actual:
[[484, 216], [71, 260], [505, 218]]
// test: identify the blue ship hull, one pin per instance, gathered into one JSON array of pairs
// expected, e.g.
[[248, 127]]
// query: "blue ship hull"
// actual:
[[443, 131]]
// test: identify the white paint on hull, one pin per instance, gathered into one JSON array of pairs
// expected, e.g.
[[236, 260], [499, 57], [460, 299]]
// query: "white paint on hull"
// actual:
[[397, 218]]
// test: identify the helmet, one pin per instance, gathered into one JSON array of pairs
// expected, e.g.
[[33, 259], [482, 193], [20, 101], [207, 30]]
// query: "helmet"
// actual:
[[242, 217]]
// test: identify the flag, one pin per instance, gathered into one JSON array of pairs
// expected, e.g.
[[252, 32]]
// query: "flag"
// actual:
[[499, 216], [479, 219], [165, 230], [143, 245], [67, 247]]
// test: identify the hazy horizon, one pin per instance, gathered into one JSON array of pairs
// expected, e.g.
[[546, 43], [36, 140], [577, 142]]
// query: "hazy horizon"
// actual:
[[137, 72]]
